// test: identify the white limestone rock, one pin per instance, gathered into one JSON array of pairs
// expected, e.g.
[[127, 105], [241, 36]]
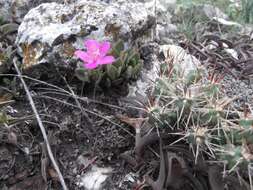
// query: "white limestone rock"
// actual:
[[15, 10], [211, 11], [180, 58], [149, 73], [92, 179], [166, 32], [52, 31]]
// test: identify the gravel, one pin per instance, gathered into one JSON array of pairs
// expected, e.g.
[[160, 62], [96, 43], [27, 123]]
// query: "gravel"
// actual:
[[241, 88]]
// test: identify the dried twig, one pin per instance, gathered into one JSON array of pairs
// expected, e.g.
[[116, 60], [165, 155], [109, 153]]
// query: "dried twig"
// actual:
[[90, 123], [42, 128]]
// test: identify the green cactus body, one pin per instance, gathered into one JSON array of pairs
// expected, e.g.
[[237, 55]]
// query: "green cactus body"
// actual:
[[183, 105], [247, 124], [212, 90], [193, 77], [231, 155], [168, 119], [212, 117], [195, 99]]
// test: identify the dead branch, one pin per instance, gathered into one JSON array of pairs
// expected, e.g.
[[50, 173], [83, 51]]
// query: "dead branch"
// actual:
[[42, 128]]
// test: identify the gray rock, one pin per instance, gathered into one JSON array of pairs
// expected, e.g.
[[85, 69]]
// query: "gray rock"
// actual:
[[5, 5], [19, 8], [53, 31], [168, 5], [172, 53], [139, 90], [180, 59], [15, 10], [247, 29], [94, 178], [166, 32], [162, 10], [211, 11], [243, 89]]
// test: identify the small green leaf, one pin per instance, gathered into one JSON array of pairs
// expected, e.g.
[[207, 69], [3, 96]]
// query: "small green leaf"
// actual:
[[118, 81], [117, 48], [112, 72], [108, 83], [82, 74], [117, 63], [129, 72], [3, 118], [8, 28], [100, 77], [96, 75], [123, 58], [246, 123], [1, 20], [133, 58], [119, 45], [119, 71], [136, 70], [3, 57], [192, 77]]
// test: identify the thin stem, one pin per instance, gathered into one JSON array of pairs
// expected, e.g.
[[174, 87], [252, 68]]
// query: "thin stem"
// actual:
[[42, 128]]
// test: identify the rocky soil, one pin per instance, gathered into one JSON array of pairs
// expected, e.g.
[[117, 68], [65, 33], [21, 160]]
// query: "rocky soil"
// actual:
[[87, 131]]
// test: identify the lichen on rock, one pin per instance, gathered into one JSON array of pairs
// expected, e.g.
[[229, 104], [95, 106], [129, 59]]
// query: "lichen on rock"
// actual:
[[60, 28]]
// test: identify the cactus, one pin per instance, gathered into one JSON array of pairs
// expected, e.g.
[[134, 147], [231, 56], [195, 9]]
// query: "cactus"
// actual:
[[193, 106], [126, 68], [196, 105]]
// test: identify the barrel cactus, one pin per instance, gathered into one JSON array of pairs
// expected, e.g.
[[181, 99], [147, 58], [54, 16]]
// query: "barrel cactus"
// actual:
[[196, 108]]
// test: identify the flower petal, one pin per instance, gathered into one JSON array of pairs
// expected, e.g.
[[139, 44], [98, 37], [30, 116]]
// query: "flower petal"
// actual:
[[104, 48], [91, 65], [83, 56], [92, 45], [106, 60]]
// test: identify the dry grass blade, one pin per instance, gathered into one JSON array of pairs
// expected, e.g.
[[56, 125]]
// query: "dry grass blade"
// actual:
[[42, 128], [72, 93], [159, 183], [88, 111]]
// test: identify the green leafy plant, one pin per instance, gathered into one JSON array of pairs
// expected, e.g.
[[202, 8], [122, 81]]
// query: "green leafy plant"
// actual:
[[247, 11], [126, 67], [242, 13], [1, 20]]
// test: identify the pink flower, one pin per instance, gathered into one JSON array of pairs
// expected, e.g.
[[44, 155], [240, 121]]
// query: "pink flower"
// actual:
[[95, 54]]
